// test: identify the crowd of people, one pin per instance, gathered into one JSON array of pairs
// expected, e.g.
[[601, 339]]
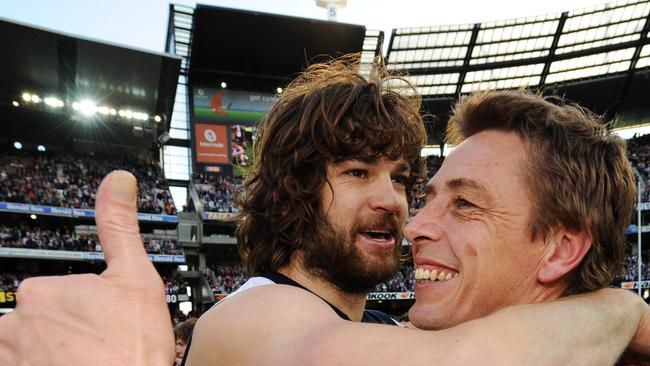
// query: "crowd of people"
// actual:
[[71, 181], [403, 281], [218, 192], [631, 271], [9, 282], [27, 237], [638, 153], [224, 278]]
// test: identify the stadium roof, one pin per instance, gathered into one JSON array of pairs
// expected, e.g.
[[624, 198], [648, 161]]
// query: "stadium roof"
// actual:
[[597, 56], [258, 51], [69, 70]]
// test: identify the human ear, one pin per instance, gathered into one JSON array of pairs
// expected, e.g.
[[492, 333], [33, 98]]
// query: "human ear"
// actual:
[[566, 250]]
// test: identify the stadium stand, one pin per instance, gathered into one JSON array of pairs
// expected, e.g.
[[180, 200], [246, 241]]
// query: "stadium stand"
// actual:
[[630, 273], [218, 193], [638, 152], [224, 278], [35, 237], [71, 181]]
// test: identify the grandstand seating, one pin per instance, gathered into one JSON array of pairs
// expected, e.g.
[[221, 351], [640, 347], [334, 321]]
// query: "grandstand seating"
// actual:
[[69, 240], [630, 271], [403, 281], [174, 283], [226, 278], [217, 192], [71, 181], [638, 152]]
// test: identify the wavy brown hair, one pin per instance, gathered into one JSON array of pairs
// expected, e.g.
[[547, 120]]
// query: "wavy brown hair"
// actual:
[[577, 172], [328, 114]]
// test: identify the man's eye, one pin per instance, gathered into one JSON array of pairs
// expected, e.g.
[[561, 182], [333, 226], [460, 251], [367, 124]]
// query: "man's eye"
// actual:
[[401, 179], [463, 203], [357, 173]]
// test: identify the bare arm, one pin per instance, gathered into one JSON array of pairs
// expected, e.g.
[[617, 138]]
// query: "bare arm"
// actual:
[[589, 329], [286, 326]]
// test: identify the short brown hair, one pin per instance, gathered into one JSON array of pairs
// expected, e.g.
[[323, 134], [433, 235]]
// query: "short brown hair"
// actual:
[[328, 114], [184, 330], [578, 174]]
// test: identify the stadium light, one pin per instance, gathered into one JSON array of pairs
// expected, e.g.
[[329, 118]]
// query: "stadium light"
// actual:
[[27, 97], [87, 107], [53, 102], [33, 217], [224, 85], [140, 116], [157, 119], [103, 110], [279, 90], [35, 98], [15, 103], [40, 148], [18, 145]]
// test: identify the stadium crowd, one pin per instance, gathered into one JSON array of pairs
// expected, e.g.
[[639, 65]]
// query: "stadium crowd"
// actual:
[[9, 282], [403, 281], [71, 181], [27, 237], [174, 282], [226, 278], [630, 272], [218, 192], [638, 153]]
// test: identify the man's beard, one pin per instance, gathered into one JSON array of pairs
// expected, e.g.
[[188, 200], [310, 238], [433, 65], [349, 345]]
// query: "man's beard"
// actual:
[[334, 256]]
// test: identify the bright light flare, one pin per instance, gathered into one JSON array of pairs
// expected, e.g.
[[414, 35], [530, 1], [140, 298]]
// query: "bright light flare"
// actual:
[[53, 102], [27, 97], [40, 148], [87, 107], [18, 145]]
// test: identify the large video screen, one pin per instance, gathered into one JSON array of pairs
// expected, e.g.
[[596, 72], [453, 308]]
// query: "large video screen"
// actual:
[[224, 123]]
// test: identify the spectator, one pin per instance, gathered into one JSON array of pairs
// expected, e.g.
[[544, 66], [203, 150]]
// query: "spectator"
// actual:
[[71, 181], [183, 332], [27, 237]]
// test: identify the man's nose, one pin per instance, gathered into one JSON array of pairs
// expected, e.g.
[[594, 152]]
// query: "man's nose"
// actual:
[[386, 196], [425, 227]]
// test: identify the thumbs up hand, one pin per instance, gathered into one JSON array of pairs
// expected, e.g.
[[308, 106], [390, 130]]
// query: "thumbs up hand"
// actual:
[[116, 318]]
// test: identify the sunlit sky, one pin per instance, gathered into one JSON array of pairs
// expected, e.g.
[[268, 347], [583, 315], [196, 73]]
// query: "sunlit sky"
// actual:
[[142, 23]]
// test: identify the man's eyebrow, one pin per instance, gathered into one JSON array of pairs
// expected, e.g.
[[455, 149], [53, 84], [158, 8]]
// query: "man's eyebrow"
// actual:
[[402, 167], [361, 158], [460, 183]]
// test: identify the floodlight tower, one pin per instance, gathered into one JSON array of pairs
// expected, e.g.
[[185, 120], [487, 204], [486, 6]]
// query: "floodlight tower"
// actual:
[[332, 7]]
